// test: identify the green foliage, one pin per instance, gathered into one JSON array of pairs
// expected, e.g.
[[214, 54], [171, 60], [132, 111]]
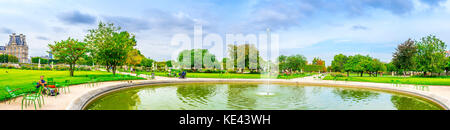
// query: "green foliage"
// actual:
[[245, 56], [36, 60], [198, 59], [292, 63], [430, 55], [109, 46], [69, 51], [403, 58], [337, 65], [4, 58]]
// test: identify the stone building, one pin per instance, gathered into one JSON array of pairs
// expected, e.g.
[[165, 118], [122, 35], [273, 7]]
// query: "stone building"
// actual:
[[17, 46]]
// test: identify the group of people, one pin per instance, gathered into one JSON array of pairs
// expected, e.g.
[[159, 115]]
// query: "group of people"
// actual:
[[50, 89]]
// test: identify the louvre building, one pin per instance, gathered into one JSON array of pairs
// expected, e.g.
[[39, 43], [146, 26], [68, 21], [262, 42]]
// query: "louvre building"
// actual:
[[17, 46]]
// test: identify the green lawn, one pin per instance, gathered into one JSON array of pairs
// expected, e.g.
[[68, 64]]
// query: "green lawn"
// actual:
[[229, 75], [23, 79], [402, 80]]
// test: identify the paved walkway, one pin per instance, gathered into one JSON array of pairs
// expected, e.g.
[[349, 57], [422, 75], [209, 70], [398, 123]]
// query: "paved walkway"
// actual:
[[61, 102]]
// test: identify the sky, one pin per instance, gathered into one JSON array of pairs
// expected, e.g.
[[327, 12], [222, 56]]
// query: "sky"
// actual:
[[313, 28]]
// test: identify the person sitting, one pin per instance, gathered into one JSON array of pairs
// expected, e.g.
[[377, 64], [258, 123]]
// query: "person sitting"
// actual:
[[50, 88], [183, 75], [41, 83]]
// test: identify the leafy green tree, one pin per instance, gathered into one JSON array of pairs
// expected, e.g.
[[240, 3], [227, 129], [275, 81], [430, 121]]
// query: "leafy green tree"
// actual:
[[337, 65], [390, 67], [69, 51], [430, 55], [296, 62], [5, 58], [356, 63], [146, 63], [109, 46], [282, 60], [447, 66], [243, 53], [198, 57], [403, 58]]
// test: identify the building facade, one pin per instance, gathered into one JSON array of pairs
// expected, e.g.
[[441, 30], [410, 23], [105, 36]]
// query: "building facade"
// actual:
[[17, 46]]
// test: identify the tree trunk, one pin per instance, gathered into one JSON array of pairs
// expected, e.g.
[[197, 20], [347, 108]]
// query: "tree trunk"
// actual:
[[348, 73], [114, 70], [424, 74], [71, 70], [362, 73]]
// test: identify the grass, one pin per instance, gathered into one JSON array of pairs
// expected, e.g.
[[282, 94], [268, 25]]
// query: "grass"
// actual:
[[23, 79], [229, 75], [443, 80]]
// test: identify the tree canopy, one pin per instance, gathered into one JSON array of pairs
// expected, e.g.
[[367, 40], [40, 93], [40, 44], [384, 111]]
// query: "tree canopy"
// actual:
[[69, 51]]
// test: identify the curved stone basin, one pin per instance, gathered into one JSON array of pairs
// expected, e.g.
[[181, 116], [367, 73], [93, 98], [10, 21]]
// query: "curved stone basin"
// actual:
[[255, 96]]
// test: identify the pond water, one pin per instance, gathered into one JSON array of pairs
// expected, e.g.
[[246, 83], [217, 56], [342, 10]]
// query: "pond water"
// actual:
[[255, 97]]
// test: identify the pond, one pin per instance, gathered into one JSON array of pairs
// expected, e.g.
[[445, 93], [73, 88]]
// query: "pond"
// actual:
[[243, 96]]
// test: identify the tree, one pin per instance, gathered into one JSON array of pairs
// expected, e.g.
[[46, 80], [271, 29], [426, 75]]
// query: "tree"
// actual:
[[356, 63], [69, 51], [430, 55], [447, 66], [403, 58], [134, 57], [246, 54], [5, 58], [320, 62], [296, 62], [109, 46], [200, 58], [146, 63], [282, 61], [390, 67], [337, 65]]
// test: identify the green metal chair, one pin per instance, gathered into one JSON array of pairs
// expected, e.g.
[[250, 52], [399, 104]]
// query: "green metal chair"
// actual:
[[13, 93], [33, 97], [64, 87]]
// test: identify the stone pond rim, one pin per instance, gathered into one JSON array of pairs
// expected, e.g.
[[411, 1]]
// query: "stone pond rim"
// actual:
[[81, 102]]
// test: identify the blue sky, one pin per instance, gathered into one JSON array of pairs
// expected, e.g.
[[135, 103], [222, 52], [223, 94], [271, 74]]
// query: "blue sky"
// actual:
[[314, 28]]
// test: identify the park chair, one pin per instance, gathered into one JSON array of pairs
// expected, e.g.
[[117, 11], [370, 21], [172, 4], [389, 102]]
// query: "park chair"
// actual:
[[13, 93], [33, 97], [64, 87], [48, 89]]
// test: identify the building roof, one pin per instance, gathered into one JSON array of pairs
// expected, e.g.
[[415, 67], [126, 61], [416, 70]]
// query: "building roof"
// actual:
[[19, 41]]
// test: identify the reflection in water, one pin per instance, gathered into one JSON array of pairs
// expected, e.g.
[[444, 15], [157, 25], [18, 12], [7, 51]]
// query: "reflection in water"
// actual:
[[191, 94], [239, 97], [355, 96], [128, 100], [407, 103], [246, 97]]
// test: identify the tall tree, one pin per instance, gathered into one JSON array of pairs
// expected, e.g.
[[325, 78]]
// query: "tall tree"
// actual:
[[246, 55], [110, 46], [403, 58], [356, 63], [201, 58], [69, 51], [430, 55], [296, 62], [337, 65]]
